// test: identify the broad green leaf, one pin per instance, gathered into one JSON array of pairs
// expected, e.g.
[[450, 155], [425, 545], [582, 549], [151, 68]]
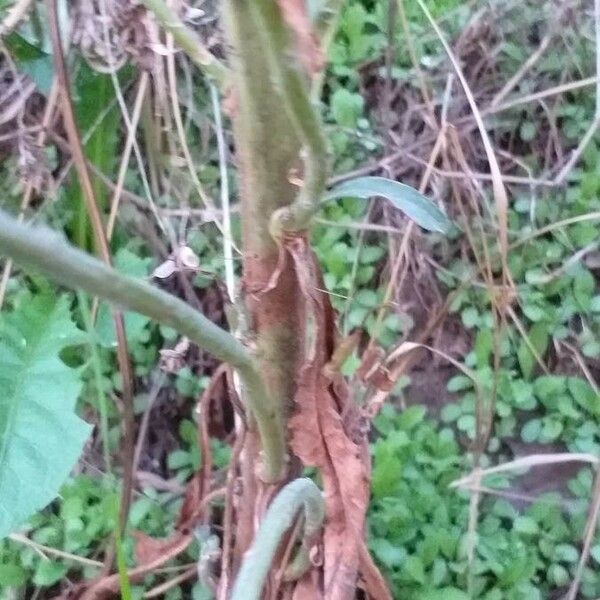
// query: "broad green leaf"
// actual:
[[32, 61], [41, 438], [416, 206]]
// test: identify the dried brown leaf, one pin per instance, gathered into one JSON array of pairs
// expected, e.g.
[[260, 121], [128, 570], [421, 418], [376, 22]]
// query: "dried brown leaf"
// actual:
[[320, 438], [370, 361], [374, 583], [148, 549]]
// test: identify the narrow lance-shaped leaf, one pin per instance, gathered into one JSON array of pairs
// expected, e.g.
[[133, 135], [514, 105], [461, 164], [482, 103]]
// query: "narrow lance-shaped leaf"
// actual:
[[411, 202], [41, 438]]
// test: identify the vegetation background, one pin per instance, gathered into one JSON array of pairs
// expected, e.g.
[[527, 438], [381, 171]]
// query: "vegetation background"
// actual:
[[485, 447]]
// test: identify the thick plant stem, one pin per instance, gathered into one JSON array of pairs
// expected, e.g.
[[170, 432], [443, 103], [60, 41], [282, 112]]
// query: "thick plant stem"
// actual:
[[267, 150], [292, 85], [188, 41], [301, 494], [43, 250]]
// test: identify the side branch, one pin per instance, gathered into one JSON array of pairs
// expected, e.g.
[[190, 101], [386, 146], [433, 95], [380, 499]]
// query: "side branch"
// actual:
[[43, 250], [293, 86], [188, 41], [300, 494]]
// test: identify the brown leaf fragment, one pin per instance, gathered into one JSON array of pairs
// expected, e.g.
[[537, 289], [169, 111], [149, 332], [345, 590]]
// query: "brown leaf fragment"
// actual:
[[320, 438], [159, 551], [370, 361], [148, 549], [374, 583]]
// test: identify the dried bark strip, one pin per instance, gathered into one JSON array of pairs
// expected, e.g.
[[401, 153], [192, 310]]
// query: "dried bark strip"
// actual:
[[320, 439]]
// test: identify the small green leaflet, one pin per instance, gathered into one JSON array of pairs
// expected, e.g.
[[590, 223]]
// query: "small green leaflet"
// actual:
[[41, 438], [411, 202]]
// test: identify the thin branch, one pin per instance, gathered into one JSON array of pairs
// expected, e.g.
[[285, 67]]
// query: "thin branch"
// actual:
[[594, 510], [188, 41], [293, 87], [129, 143], [526, 66], [43, 250], [91, 204], [225, 206], [21, 539], [499, 191], [28, 193], [17, 12], [595, 125]]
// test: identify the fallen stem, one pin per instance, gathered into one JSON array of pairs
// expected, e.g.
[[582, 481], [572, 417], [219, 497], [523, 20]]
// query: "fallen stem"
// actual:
[[42, 249], [300, 494]]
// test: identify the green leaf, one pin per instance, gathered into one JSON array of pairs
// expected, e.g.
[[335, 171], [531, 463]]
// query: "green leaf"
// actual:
[[526, 525], [583, 393], [450, 412], [413, 567], [527, 131], [566, 553], [551, 430], [13, 575], [135, 324], [416, 206], [32, 61], [459, 383], [531, 430], [346, 107], [584, 285], [558, 575], [538, 336], [387, 553], [40, 436], [367, 298], [549, 385], [410, 417], [49, 572]]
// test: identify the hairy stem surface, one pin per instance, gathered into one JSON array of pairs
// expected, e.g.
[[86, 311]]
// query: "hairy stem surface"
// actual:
[[43, 250]]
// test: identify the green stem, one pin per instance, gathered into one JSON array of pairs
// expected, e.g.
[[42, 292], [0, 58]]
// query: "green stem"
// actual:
[[293, 87], [326, 28], [82, 300], [44, 250], [301, 494], [188, 41]]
